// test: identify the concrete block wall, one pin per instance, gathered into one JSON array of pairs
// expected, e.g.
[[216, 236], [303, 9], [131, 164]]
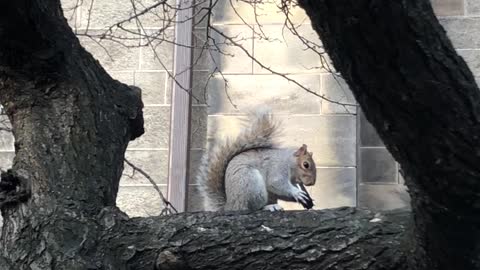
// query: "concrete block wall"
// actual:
[[240, 84], [7, 152], [139, 65], [380, 185]]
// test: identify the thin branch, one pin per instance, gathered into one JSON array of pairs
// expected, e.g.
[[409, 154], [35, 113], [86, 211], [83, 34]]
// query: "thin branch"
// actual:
[[4, 121], [279, 73], [168, 207], [90, 10], [173, 77], [210, 44]]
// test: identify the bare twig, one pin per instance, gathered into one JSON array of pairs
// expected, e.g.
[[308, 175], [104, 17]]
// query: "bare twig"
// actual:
[[211, 44], [284, 75], [5, 129], [168, 207], [4, 122]]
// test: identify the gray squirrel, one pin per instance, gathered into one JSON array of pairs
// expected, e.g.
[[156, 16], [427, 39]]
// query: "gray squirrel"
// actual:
[[252, 171]]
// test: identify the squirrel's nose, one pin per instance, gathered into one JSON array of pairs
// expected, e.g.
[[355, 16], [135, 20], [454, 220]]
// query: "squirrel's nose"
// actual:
[[309, 182]]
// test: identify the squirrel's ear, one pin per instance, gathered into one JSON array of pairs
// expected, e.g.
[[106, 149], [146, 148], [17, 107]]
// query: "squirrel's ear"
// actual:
[[301, 151], [311, 154]]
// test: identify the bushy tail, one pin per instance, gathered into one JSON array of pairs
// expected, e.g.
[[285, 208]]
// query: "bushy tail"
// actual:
[[260, 132]]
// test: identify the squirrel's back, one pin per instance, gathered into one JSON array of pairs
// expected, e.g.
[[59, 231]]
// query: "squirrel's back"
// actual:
[[259, 134]]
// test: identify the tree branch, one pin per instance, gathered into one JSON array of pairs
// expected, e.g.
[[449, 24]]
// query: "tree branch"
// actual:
[[343, 238], [423, 101]]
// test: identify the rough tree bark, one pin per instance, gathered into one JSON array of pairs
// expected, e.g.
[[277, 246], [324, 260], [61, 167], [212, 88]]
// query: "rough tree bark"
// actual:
[[424, 102], [72, 123]]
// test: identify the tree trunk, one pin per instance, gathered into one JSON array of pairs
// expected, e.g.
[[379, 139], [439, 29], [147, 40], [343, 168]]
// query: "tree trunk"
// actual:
[[72, 123], [424, 102]]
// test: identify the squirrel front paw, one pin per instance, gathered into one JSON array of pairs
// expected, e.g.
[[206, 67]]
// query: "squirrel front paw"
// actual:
[[300, 196], [309, 204]]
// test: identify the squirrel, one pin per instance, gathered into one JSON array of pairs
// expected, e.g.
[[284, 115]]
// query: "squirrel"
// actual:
[[252, 171]]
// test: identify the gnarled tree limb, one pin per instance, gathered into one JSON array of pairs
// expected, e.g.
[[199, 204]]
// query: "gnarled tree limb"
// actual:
[[424, 102], [343, 238]]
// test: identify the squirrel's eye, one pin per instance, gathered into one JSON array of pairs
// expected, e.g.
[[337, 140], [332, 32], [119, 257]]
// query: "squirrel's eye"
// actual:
[[306, 165]]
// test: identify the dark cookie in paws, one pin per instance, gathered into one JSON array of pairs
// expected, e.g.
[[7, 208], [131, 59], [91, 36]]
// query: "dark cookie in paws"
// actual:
[[309, 204]]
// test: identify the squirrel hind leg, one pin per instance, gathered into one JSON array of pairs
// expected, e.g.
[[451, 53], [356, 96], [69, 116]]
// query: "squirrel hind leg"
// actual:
[[273, 207], [245, 189]]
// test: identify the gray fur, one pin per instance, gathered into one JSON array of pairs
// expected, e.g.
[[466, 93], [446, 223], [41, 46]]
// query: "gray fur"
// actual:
[[252, 175], [259, 134], [250, 172]]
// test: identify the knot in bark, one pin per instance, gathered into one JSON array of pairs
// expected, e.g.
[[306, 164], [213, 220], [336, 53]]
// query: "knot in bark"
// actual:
[[167, 260]]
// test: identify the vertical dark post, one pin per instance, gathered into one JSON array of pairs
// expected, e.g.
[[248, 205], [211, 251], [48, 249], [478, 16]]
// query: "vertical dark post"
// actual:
[[181, 107]]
